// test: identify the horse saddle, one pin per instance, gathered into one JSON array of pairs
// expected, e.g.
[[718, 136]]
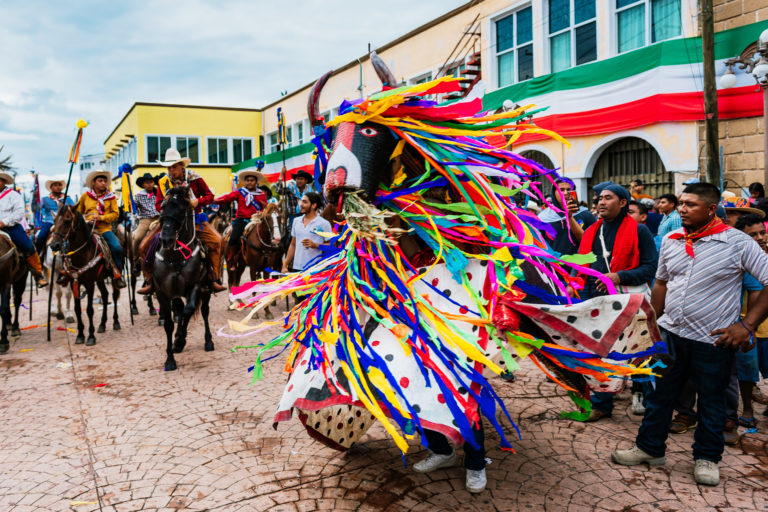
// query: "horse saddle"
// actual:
[[13, 249]]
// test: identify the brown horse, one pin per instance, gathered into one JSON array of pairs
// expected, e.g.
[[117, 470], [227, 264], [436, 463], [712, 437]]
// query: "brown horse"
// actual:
[[256, 249], [13, 276]]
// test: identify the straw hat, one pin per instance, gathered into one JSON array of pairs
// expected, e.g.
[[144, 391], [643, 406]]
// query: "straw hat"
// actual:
[[95, 174], [49, 183], [739, 205], [260, 179], [7, 178], [172, 156]]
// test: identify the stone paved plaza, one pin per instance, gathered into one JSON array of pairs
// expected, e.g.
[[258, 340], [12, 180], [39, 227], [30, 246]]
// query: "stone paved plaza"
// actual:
[[201, 438]]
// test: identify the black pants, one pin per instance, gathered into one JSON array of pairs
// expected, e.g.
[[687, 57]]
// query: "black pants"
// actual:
[[238, 226], [474, 459]]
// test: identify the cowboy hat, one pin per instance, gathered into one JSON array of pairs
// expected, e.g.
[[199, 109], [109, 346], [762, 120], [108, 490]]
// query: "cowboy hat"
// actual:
[[49, 183], [172, 156], [741, 206], [305, 175], [146, 176], [95, 174], [6, 178], [266, 190], [260, 179]]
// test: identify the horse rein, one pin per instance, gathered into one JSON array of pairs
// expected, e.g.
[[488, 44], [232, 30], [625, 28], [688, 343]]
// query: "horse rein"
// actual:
[[181, 246]]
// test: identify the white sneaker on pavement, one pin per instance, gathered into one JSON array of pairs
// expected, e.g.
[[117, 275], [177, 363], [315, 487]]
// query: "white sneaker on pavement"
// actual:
[[635, 456], [435, 461], [476, 480], [637, 404], [706, 472]]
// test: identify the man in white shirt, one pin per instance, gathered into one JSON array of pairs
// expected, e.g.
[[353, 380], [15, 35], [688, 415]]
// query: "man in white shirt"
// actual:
[[305, 230], [12, 213]]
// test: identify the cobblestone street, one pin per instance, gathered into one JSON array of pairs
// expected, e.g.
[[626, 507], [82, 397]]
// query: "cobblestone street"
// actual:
[[110, 430]]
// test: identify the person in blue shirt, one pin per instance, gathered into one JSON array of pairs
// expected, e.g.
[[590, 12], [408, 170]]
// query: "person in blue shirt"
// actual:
[[49, 207], [671, 220]]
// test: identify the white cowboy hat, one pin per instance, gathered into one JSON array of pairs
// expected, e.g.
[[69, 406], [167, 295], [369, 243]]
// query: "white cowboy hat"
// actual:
[[172, 156], [49, 183], [95, 174], [6, 178], [260, 179]]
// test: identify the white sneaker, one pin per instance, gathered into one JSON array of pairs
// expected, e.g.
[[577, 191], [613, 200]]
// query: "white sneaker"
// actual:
[[637, 404], [476, 481], [435, 461], [706, 472], [635, 456]]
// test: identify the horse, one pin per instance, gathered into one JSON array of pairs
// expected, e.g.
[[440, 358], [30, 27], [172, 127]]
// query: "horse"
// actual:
[[84, 265], [61, 291], [179, 273], [256, 249], [14, 278], [133, 269]]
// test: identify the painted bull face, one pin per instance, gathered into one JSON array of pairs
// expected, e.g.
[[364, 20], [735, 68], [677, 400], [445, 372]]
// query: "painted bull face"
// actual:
[[360, 158]]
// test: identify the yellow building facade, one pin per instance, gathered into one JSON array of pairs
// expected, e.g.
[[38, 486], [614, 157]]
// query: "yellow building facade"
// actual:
[[214, 138]]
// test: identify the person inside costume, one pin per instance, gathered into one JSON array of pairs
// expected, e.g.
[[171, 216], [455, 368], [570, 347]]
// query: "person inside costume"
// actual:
[[294, 190], [146, 211], [11, 216], [200, 196], [250, 201], [49, 208], [99, 206]]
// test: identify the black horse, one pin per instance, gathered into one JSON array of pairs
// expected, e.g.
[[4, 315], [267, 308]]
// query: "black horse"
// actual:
[[179, 273], [13, 278], [84, 265]]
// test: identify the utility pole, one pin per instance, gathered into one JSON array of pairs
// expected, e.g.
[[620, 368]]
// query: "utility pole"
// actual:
[[710, 92]]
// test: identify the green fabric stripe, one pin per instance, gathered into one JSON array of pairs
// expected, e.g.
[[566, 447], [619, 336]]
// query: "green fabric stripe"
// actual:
[[728, 43], [271, 158]]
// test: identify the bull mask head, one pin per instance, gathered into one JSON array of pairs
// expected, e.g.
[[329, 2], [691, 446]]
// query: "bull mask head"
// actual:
[[360, 152]]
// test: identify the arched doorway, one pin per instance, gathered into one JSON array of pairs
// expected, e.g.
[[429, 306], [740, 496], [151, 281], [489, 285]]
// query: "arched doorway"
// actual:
[[545, 161], [629, 158]]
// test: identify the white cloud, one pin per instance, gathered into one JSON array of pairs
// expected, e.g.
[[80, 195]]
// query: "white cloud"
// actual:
[[94, 59]]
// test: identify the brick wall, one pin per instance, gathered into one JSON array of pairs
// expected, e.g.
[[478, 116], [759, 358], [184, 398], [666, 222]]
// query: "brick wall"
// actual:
[[741, 139]]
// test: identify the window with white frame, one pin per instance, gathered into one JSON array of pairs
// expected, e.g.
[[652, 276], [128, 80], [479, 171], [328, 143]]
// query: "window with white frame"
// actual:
[[217, 151], [242, 150], [643, 22], [189, 147], [299, 132], [157, 145], [514, 47], [572, 33], [274, 142], [455, 70], [421, 79]]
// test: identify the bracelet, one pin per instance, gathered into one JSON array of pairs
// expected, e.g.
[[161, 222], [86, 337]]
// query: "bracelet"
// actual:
[[750, 331]]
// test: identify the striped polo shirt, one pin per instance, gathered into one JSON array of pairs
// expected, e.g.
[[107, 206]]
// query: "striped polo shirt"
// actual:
[[704, 293]]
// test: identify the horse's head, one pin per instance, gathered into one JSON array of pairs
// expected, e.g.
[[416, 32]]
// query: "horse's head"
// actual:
[[176, 209], [64, 225], [361, 152]]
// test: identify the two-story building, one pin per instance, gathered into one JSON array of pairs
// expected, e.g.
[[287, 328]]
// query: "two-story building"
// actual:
[[214, 138]]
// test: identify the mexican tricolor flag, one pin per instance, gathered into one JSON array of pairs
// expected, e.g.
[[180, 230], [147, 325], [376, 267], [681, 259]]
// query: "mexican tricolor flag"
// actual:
[[297, 158]]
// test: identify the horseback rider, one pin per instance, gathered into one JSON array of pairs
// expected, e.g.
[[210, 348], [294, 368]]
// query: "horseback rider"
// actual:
[[146, 211], [12, 213], [99, 206], [250, 201], [49, 208], [293, 191], [200, 195]]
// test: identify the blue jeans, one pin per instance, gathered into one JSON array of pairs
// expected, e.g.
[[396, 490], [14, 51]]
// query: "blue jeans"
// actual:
[[20, 239], [42, 236], [710, 369], [114, 248]]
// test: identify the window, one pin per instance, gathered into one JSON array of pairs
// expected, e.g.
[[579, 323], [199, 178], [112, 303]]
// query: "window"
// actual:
[[300, 132], [421, 79], [643, 22], [188, 147], [242, 150], [514, 47], [572, 26], [157, 145], [274, 143], [217, 151], [288, 136], [456, 70]]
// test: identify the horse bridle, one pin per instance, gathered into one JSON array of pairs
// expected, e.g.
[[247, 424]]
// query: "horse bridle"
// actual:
[[179, 246], [65, 236]]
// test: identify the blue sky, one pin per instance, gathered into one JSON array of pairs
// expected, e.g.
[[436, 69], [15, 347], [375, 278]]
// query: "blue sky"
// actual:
[[61, 61]]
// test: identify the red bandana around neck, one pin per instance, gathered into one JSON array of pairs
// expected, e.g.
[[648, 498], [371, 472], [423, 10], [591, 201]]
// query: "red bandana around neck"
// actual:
[[625, 253], [100, 199], [714, 227]]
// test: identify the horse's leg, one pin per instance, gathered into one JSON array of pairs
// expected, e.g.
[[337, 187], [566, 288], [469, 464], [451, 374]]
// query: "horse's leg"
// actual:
[[5, 312], [59, 311], [115, 319], [69, 318], [80, 326], [90, 290], [134, 278], [18, 293], [166, 314], [180, 339], [204, 310], [151, 306], [186, 314], [104, 305]]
